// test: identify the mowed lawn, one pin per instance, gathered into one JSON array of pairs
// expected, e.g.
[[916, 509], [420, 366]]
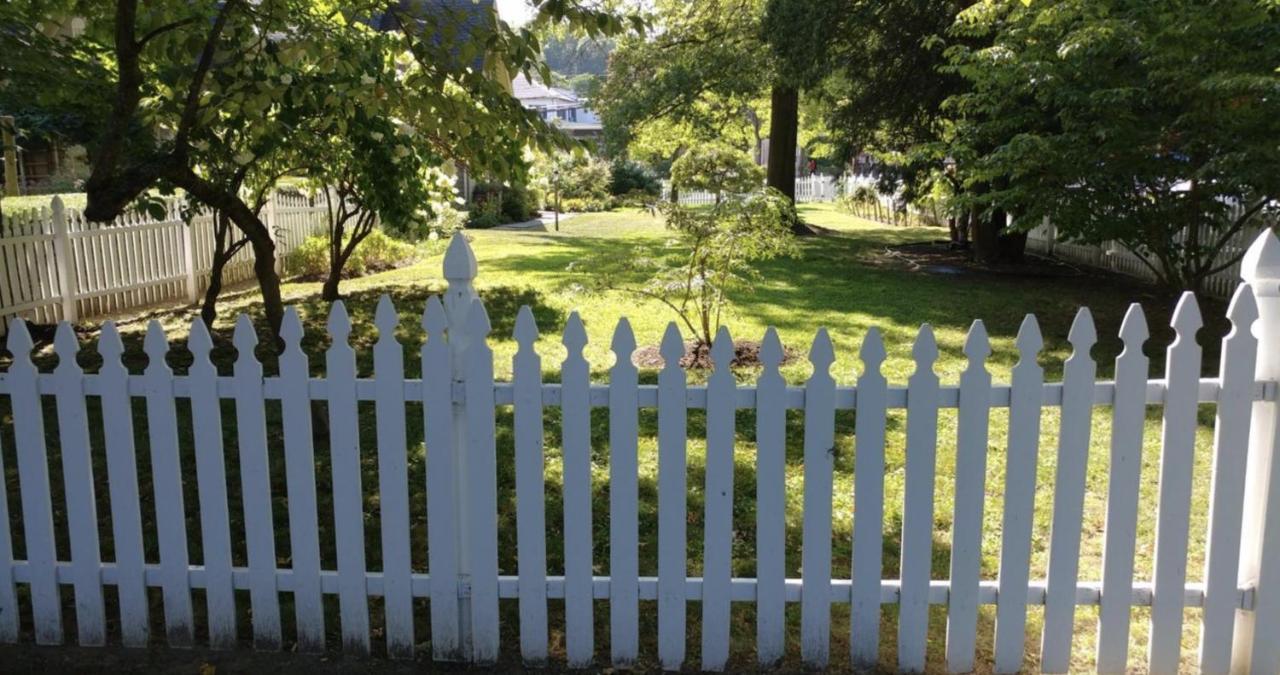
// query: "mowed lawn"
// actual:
[[843, 281]]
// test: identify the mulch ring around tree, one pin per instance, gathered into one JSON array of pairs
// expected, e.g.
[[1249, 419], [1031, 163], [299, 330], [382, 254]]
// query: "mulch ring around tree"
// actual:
[[746, 354], [940, 257]]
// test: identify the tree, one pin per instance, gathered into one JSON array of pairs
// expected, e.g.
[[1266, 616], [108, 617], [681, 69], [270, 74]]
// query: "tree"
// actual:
[[718, 169], [1155, 128], [237, 95]]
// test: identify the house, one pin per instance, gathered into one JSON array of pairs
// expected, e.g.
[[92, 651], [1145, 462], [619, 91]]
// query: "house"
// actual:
[[561, 107]]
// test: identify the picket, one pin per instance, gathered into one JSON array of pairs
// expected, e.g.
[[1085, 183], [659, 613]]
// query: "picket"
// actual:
[[1079, 372], [1127, 416], [819, 461], [970, 483], [672, 510], [166, 481], [868, 504], [348, 498], [1019, 499], [255, 487], [771, 487], [531, 537], [717, 556], [575, 378], [77, 475], [461, 400], [624, 564], [1173, 511], [300, 484], [917, 511], [393, 481]]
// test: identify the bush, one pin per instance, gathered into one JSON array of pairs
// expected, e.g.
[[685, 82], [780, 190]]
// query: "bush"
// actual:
[[498, 204], [587, 204], [630, 178], [377, 253]]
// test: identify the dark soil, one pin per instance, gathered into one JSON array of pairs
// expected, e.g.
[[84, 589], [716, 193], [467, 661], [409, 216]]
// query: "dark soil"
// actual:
[[940, 257], [697, 356]]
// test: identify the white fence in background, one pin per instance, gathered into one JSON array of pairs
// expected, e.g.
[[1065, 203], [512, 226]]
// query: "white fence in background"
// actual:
[[1237, 601], [55, 265], [814, 188]]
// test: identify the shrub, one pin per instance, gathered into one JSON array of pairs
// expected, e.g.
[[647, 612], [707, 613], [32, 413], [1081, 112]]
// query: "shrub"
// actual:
[[377, 253], [586, 204], [628, 178], [499, 204], [718, 169]]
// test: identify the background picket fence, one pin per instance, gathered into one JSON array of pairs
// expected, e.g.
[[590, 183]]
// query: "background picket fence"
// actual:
[[55, 265], [1238, 601], [813, 188]]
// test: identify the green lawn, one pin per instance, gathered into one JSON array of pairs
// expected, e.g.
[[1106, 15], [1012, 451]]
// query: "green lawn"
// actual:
[[841, 281]]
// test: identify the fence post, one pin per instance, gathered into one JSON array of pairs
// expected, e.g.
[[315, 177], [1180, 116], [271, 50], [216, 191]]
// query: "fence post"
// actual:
[[189, 260], [1255, 648], [460, 272], [62, 258]]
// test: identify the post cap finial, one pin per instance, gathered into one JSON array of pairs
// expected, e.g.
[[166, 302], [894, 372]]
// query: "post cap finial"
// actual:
[[459, 259], [1262, 260]]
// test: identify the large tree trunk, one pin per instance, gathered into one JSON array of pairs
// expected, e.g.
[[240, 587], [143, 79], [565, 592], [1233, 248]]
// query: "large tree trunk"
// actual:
[[784, 125], [994, 243]]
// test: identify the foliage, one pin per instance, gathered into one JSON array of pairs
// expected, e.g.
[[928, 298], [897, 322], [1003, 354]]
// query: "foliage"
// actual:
[[501, 203], [1153, 128], [627, 177], [715, 251], [379, 252], [717, 169], [577, 178]]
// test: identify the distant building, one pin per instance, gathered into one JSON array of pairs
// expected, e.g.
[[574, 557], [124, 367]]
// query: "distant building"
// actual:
[[561, 107]]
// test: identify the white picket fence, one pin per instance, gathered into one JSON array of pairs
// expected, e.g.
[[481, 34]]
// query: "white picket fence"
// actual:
[[58, 266], [814, 188], [1238, 601]]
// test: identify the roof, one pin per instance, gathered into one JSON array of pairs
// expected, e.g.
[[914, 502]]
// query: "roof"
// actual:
[[524, 90]]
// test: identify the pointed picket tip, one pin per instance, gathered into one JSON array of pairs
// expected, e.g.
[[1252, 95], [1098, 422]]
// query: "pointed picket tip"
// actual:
[[385, 317], [459, 259], [722, 349], [1243, 310], [155, 343], [291, 327], [19, 337], [526, 331], [434, 320], [1186, 316], [56, 204], [822, 353], [1262, 259], [65, 344], [926, 347], [1029, 341], [339, 323], [110, 346], [1083, 334], [575, 334], [977, 344], [1133, 330], [245, 338], [478, 325], [672, 347], [771, 348], [624, 340], [872, 351]]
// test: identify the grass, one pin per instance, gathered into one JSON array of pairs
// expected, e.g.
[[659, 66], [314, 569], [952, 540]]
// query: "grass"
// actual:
[[841, 281]]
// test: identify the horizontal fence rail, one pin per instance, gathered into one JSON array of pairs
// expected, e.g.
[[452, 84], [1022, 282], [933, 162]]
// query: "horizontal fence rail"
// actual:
[[457, 402]]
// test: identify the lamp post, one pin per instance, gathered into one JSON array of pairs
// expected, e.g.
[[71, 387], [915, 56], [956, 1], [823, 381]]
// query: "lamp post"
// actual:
[[555, 184]]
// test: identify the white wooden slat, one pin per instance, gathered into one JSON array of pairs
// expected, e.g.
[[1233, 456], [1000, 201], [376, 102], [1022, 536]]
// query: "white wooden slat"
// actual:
[[771, 487], [442, 517], [624, 564], [122, 485], [972, 434], [819, 463], [1226, 500], [348, 499], [211, 477], [77, 474], [672, 504], [718, 534], [531, 533], [868, 505], [1173, 513], [575, 377], [917, 512], [255, 486], [482, 483], [300, 483], [393, 481], [1079, 372], [9, 620], [1127, 423], [1019, 499], [171, 526]]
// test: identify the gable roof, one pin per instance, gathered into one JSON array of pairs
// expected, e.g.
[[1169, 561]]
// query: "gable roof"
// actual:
[[524, 90]]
